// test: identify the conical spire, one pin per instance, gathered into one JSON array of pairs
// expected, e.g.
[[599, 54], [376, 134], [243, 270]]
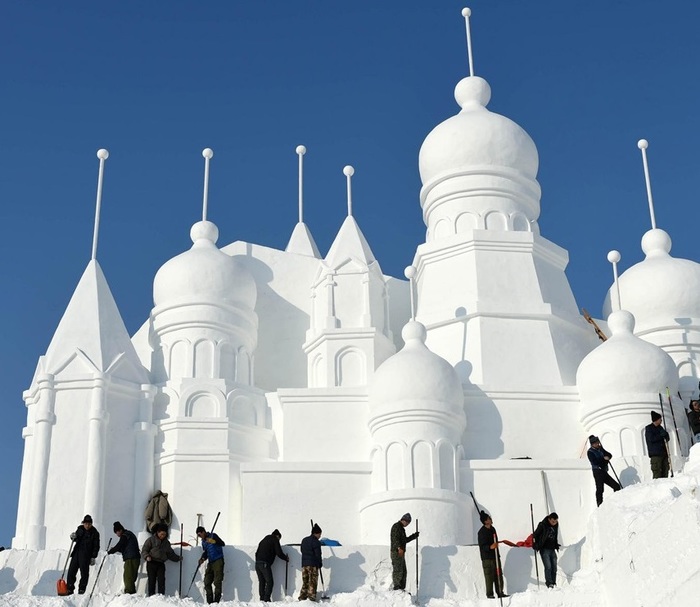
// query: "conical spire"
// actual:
[[301, 241], [92, 324]]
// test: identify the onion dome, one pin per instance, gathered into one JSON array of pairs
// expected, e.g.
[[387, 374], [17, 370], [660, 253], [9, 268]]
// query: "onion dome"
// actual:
[[623, 366], [204, 274], [661, 289], [476, 137], [417, 380]]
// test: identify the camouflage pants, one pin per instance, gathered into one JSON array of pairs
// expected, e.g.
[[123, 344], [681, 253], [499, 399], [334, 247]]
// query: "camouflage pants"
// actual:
[[398, 575], [309, 582]]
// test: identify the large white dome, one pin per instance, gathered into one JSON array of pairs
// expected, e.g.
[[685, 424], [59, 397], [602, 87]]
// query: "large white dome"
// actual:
[[660, 291], [415, 375], [476, 137], [204, 274], [624, 365]]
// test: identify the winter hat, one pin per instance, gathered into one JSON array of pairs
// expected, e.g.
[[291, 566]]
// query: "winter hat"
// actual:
[[483, 516], [277, 533], [655, 416], [87, 519], [118, 526], [406, 517], [200, 529], [593, 439], [554, 515], [315, 529]]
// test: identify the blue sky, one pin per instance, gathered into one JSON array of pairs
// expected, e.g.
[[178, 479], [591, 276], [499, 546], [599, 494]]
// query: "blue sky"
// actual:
[[358, 83]]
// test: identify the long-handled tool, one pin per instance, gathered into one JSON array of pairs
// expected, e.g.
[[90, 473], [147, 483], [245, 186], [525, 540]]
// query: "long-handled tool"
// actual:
[[182, 541], [324, 596], [673, 417], [663, 421], [97, 577], [499, 570], [534, 549], [61, 585], [286, 576], [194, 575], [417, 569]]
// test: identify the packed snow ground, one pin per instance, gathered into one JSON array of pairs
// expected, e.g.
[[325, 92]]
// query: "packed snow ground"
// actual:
[[642, 549]]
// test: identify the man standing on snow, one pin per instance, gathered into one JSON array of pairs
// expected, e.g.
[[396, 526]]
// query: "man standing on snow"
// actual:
[[398, 551], [155, 551], [488, 545], [656, 438], [87, 545], [546, 538], [311, 562], [268, 548], [213, 547], [128, 545], [600, 459]]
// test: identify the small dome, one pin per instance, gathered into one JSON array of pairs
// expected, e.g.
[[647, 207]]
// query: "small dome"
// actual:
[[660, 290], [416, 374], [204, 274], [476, 137], [624, 365]]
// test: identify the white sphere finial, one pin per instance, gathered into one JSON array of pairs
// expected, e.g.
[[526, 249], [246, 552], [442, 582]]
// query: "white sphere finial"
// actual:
[[466, 12], [301, 150], [208, 153], [348, 171], [410, 272], [102, 154], [614, 256], [642, 144]]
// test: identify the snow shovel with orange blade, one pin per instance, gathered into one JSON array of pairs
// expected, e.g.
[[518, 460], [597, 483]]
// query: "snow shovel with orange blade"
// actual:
[[62, 585]]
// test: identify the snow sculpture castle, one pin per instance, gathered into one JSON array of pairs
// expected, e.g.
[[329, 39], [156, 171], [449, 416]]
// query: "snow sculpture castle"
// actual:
[[292, 385]]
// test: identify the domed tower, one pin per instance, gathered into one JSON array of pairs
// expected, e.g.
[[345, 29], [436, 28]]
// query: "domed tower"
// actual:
[[619, 383], [663, 293], [416, 419], [493, 293], [210, 415]]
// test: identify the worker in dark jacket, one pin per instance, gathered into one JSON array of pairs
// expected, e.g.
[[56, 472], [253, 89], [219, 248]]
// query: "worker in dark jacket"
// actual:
[[213, 547], [156, 550], [87, 545], [397, 551], [546, 541], [311, 562], [656, 438], [268, 548], [488, 546], [600, 460], [694, 419], [128, 545]]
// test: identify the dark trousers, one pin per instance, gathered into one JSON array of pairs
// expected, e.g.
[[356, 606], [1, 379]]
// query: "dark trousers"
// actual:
[[603, 478], [549, 560], [131, 572], [81, 562], [214, 573], [398, 575], [659, 466], [265, 580], [494, 583], [156, 573]]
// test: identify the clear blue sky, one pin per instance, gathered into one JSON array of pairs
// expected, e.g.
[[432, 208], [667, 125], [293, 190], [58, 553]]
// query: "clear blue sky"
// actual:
[[360, 83]]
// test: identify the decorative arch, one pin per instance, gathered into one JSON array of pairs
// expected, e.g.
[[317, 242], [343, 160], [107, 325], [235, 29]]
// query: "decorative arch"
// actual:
[[202, 404], [178, 359], [422, 455], [227, 360], [395, 466], [520, 222], [243, 366], [203, 358], [465, 222], [318, 375], [242, 411], [350, 368], [447, 465], [442, 229], [496, 220]]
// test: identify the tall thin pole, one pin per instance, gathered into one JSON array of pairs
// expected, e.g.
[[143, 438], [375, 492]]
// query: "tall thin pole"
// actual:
[[417, 558], [643, 144], [534, 549], [102, 154]]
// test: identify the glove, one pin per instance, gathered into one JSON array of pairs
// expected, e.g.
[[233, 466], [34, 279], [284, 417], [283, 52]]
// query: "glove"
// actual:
[[73, 536], [92, 561], [211, 540], [200, 561], [286, 557]]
